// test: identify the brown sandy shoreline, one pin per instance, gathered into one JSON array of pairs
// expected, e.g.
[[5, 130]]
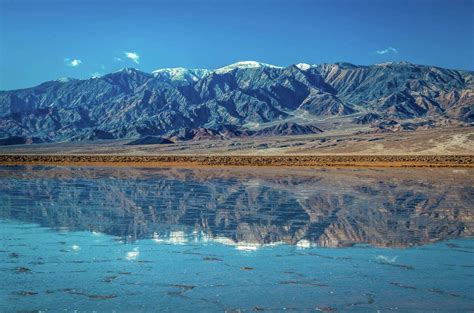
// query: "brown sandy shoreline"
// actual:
[[243, 160]]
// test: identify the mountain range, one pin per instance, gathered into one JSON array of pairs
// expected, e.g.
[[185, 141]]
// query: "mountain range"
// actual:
[[242, 99]]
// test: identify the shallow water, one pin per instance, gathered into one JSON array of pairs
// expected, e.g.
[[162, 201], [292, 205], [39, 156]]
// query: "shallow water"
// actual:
[[140, 240]]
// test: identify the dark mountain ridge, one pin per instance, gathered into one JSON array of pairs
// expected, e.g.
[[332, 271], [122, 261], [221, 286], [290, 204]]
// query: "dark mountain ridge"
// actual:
[[131, 104]]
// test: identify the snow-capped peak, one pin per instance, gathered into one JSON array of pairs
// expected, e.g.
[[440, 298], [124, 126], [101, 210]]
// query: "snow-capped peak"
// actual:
[[170, 70], [303, 66], [243, 64], [181, 73]]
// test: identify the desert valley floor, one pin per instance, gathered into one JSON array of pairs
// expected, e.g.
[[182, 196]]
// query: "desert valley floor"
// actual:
[[445, 141]]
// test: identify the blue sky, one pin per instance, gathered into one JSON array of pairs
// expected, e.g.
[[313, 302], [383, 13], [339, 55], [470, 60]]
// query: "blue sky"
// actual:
[[43, 40]]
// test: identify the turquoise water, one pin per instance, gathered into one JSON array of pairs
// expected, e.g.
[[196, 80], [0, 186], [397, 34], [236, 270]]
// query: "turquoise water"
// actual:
[[182, 240]]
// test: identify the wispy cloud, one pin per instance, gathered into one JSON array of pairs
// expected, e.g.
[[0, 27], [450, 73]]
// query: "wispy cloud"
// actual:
[[387, 50], [72, 62], [133, 56], [117, 59]]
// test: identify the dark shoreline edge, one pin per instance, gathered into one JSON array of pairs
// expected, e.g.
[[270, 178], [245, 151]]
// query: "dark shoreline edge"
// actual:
[[245, 160]]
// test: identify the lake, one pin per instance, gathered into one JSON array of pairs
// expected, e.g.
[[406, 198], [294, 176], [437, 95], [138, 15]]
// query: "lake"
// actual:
[[113, 239]]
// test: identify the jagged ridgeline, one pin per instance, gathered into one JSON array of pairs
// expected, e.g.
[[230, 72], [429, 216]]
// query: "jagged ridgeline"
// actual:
[[242, 99]]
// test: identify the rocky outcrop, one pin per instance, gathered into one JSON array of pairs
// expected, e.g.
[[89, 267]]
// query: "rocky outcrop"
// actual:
[[369, 118], [150, 140], [197, 134], [19, 140], [284, 129]]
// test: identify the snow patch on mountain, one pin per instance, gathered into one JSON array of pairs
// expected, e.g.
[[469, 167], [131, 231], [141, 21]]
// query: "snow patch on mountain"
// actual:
[[181, 73], [244, 64], [303, 66]]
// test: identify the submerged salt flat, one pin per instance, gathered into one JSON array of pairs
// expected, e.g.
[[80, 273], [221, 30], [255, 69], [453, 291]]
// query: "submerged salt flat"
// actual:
[[146, 240]]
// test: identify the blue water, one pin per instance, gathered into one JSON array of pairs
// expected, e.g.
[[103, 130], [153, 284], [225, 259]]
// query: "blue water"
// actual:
[[181, 240]]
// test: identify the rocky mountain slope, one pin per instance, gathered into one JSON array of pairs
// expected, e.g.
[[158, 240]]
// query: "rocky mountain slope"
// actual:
[[240, 99]]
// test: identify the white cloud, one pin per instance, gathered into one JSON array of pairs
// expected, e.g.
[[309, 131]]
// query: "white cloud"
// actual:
[[387, 50], [117, 59], [133, 56], [72, 62]]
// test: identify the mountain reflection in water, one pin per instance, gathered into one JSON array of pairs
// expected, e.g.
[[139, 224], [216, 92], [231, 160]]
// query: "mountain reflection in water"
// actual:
[[246, 207]]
